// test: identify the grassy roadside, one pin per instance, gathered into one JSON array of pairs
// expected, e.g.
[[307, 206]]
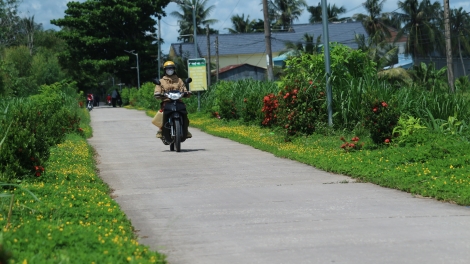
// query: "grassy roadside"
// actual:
[[438, 168], [67, 215]]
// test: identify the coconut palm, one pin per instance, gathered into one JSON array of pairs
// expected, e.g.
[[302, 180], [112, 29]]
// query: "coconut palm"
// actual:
[[242, 24], [286, 11], [333, 13], [460, 28], [420, 24], [382, 53], [185, 18], [373, 22], [306, 45]]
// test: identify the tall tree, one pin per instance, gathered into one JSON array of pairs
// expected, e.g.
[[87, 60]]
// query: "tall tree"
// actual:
[[242, 24], [333, 13], [286, 11], [420, 24], [306, 45], [9, 22], [185, 18], [29, 28], [373, 21], [460, 29], [99, 32]]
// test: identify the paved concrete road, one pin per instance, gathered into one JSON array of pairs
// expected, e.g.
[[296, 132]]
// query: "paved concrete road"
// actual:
[[221, 202]]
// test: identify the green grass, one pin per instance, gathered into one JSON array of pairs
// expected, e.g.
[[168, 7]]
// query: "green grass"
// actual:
[[67, 215], [436, 165]]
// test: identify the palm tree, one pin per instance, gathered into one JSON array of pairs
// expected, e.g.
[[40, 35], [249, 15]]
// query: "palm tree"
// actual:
[[420, 24], [333, 13], [286, 11], [305, 46], [185, 18], [374, 21], [382, 53], [242, 25], [460, 28]]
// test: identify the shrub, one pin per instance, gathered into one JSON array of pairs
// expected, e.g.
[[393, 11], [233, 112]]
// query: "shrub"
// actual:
[[37, 123], [238, 99], [380, 119], [406, 126], [302, 104]]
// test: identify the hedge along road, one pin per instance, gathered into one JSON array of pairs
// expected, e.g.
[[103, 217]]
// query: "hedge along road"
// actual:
[[218, 201]]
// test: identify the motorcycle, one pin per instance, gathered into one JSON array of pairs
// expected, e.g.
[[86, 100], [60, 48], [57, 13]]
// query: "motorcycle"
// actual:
[[174, 113], [89, 105]]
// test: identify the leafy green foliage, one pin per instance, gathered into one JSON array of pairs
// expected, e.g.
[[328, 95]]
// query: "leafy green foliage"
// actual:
[[380, 118], [427, 76], [302, 104], [37, 123], [435, 165], [406, 126], [240, 99], [98, 33], [71, 224]]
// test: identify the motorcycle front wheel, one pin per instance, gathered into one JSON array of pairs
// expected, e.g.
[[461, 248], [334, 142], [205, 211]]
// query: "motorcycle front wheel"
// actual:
[[178, 135]]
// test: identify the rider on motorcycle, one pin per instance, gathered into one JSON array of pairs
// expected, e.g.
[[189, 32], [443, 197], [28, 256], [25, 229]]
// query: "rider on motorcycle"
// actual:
[[169, 82], [89, 99]]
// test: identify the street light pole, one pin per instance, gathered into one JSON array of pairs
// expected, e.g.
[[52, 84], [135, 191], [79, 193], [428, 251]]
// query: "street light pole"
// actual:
[[138, 73]]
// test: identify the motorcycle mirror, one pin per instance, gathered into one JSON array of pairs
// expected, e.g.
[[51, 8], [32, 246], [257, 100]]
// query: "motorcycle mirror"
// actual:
[[189, 80], [156, 81]]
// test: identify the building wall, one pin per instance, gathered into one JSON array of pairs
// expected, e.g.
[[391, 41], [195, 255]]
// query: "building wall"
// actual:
[[253, 59], [243, 72]]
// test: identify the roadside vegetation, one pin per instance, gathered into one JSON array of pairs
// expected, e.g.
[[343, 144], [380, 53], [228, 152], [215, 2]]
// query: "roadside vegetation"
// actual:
[[400, 129], [54, 208], [408, 135]]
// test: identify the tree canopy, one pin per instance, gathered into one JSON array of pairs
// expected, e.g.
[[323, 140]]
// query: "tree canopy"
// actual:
[[185, 18], [98, 34]]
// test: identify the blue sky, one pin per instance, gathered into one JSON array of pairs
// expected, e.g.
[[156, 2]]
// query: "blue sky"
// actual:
[[45, 10]]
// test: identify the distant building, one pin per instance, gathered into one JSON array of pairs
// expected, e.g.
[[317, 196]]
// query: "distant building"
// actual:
[[250, 48], [242, 71]]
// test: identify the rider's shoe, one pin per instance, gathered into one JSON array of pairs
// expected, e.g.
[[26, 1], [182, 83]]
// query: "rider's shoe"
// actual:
[[188, 135], [159, 134]]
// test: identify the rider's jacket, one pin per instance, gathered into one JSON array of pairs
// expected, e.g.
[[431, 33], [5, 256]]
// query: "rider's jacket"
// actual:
[[169, 83]]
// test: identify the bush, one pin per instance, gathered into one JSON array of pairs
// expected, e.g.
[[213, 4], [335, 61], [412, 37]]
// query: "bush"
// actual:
[[35, 124], [238, 99], [380, 119], [302, 104]]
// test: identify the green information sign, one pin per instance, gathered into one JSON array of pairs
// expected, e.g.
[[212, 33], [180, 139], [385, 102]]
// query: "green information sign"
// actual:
[[197, 72]]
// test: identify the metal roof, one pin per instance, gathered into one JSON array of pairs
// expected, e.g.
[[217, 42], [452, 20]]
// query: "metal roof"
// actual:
[[253, 43]]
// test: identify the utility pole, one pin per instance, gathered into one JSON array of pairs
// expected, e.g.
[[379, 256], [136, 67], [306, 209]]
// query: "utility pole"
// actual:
[[159, 48], [267, 36], [326, 51], [208, 57], [450, 69], [217, 58]]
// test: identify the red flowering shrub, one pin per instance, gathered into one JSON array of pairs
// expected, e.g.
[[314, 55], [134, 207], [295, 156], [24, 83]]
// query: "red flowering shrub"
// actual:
[[302, 104], [270, 105], [380, 119], [353, 145]]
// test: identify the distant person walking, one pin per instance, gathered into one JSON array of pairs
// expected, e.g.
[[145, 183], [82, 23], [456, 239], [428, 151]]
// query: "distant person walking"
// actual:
[[114, 97]]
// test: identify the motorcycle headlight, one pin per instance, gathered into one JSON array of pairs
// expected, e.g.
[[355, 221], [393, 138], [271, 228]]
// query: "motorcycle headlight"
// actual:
[[174, 96]]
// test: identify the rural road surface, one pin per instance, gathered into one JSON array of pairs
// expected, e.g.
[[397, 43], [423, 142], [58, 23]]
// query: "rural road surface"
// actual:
[[220, 202]]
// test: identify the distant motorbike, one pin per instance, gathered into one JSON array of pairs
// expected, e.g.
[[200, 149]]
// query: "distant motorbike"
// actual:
[[89, 105], [174, 112]]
